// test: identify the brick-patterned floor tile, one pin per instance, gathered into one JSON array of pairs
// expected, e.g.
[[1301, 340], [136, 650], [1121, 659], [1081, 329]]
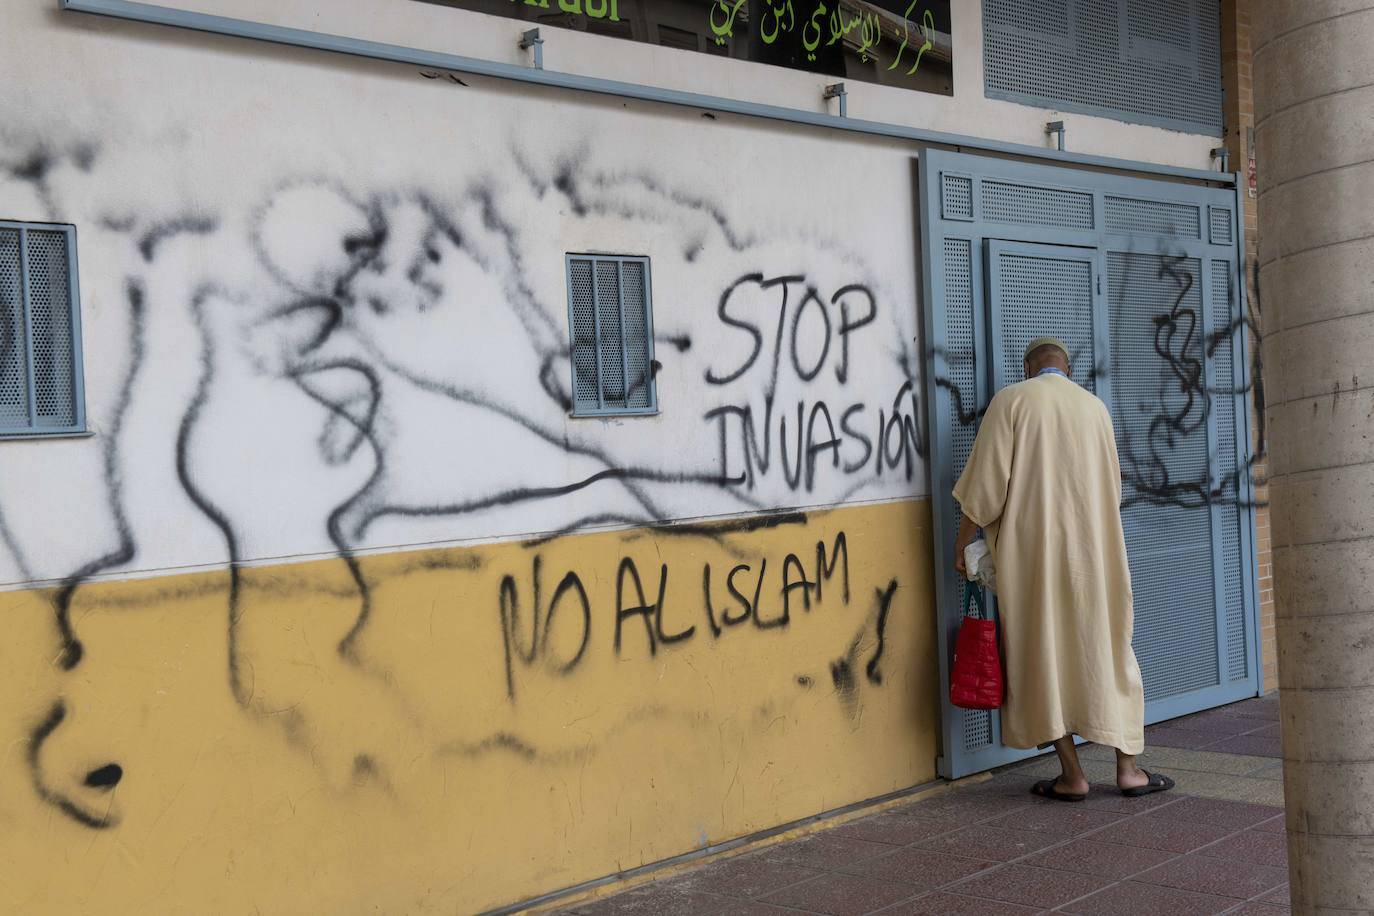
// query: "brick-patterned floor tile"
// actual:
[[826, 851], [945, 904], [1042, 887], [1216, 722], [842, 895], [1252, 846], [991, 843], [746, 876], [1132, 899], [971, 808], [1249, 745], [1161, 833], [921, 868], [1065, 819], [1242, 880], [1164, 736], [1092, 857], [1011, 784], [1279, 896], [1109, 798], [1259, 708], [898, 828], [1216, 813]]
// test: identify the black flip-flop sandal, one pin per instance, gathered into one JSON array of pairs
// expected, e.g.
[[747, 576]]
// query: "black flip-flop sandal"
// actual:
[[1045, 789], [1157, 783]]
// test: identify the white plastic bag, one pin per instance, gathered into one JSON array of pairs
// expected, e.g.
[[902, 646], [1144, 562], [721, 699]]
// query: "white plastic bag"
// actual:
[[978, 565]]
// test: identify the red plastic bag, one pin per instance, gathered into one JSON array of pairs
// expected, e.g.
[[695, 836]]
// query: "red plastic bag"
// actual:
[[975, 679]]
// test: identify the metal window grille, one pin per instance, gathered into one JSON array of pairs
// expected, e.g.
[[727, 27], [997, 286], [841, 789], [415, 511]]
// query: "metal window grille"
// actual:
[[40, 331], [611, 324], [1155, 63]]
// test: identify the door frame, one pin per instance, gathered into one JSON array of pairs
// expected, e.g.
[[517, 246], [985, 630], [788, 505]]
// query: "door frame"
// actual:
[[961, 218]]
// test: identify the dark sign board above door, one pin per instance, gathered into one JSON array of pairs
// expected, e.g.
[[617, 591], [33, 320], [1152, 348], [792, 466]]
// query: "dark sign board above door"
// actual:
[[904, 43]]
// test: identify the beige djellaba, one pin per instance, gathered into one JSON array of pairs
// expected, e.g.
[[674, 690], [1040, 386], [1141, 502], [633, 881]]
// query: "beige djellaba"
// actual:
[[1044, 483]]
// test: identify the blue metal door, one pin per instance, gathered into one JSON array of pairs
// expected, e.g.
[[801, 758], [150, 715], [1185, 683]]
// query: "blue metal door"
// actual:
[[1142, 279]]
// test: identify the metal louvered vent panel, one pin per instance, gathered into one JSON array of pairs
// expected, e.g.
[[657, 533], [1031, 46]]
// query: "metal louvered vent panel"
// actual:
[[638, 369], [1135, 60], [14, 378], [956, 196], [50, 315], [963, 404], [609, 315], [963, 388], [1041, 296], [1228, 490], [1160, 414], [609, 331], [1151, 217], [1219, 225], [1006, 202], [584, 354]]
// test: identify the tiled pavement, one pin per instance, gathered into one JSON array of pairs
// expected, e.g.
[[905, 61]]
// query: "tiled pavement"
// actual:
[[1214, 845]]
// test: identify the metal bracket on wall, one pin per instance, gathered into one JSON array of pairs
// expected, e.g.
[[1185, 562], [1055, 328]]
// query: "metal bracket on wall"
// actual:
[[1056, 128], [837, 91], [1224, 155], [157, 14], [531, 39]]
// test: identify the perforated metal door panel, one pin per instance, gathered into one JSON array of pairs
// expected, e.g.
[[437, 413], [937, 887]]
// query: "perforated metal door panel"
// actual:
[[585, 356], [51, 321], [1161, 416], [638, 335], [1139, 278], [14, 377], [1037, 291], [962, 395], [1228, 516]]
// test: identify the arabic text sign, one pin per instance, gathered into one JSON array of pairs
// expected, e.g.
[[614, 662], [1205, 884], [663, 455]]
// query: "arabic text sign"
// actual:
[[903, 43]]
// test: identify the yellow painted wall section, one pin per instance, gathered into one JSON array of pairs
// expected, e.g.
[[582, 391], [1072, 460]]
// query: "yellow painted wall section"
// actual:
[[476, 726]]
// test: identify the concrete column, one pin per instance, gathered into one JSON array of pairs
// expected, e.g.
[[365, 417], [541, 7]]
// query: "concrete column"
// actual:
[[1314, 114]]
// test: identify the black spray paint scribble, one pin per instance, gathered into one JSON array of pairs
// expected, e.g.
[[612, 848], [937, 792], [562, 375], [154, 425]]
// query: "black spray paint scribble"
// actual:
[[843, 436], [102, 779], [160, 232], [125, 550], [442, 75], [35, 167], [331, 297], [1183, 403], [1183, 406], [97, 820], [531, 611], [208, 508], [842, 670], [7, 537]]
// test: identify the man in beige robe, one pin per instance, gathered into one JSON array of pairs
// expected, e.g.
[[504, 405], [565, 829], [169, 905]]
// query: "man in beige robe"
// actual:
[[1044, 484]]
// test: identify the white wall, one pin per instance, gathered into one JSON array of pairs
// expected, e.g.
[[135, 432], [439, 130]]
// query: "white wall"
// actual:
[[218, 182], [215, 182]]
